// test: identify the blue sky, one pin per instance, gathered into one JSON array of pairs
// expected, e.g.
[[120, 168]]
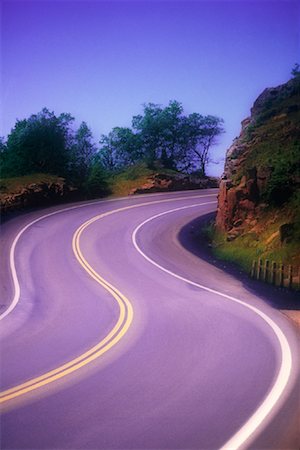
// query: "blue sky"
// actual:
[[100, 60]]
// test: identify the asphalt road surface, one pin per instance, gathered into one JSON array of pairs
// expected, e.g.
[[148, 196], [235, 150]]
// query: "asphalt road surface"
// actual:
[[115, 336]]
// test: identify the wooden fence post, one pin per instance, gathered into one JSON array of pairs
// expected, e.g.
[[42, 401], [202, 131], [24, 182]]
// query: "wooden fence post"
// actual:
[[281, 275], [259, 269], [266, 270], [276, 274], [290, 277], [273, 273], [253, 269]]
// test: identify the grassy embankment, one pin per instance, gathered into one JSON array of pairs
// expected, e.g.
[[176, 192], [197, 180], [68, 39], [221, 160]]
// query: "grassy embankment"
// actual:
[[262, 240], [17, 184], [118, 185], [134, 177], [121, 184], [30, 191]]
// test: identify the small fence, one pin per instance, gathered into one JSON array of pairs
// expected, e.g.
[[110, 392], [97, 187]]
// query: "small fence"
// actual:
[[276, 273]]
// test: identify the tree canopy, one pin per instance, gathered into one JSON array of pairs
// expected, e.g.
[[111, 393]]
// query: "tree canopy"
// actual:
[[39, 144], [83, 150], [46, 143], [160, 137], [163, 137]]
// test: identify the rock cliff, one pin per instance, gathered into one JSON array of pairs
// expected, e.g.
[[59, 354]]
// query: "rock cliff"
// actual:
[[45, 190], [161, 182], [259, 198], [262, 165]]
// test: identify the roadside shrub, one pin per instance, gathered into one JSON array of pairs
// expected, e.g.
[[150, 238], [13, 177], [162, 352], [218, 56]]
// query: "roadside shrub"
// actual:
[[284, 180], [97, 183]]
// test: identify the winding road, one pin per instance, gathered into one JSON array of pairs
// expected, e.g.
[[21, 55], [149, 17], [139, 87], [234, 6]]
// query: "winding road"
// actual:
[[113, 335]]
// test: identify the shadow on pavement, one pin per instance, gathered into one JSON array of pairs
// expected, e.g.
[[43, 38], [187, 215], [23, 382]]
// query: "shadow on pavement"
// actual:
[[191, 238]]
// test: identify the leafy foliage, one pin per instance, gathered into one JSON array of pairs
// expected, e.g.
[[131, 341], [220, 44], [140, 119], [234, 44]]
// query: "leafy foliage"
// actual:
[[38, 144], [284, 179], [45, 143], [96, 184], [120, 148], [82, 154], [160, 137], [163, 137]]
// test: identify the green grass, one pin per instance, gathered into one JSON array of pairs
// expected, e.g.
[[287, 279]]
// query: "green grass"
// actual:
[[261, 240], [121, 184], [133, 177], [239, 251]]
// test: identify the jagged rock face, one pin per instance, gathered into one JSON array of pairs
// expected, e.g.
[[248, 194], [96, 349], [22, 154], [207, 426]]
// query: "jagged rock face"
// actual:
[[178, 182], [237, 203], [34, 195], [269, 94], [249, 161], [236, 151]]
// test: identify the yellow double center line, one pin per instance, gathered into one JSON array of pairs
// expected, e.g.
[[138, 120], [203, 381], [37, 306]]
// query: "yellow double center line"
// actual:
[[118, 331]]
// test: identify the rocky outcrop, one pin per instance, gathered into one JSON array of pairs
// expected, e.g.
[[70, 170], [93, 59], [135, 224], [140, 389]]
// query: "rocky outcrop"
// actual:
[[268, 139], [36, 194], [175, 182], [238, 204], [270, 95]]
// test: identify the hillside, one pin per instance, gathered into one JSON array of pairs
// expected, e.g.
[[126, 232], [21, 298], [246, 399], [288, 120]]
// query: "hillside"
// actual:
[[259, 200], [40, 190], [138, 179]]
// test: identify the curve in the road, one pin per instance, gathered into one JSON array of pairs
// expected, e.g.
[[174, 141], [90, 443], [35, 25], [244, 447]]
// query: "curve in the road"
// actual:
[[12, 265], [256, 421], [125, 308]]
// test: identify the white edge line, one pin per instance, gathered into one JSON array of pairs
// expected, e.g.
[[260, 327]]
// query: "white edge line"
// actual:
[[255, 422], [16, 284]]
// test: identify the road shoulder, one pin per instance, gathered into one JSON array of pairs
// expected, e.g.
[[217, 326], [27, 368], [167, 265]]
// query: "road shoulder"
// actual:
[[284, 300]]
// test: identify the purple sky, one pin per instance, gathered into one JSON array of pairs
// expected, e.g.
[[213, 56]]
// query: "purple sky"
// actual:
[[100, 60]]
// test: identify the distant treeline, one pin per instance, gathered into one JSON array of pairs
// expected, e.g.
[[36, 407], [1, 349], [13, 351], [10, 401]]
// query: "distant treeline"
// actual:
[[160, 137]]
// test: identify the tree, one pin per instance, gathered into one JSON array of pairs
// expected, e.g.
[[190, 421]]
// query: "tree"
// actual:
[[83, 151], [175, 140], [39, 144], [163, 137], [159, 131], [106, 153], [120, 148], [171, 141], [2, 144], [96, 184], [202, 132], [3, 150], [149, 128]]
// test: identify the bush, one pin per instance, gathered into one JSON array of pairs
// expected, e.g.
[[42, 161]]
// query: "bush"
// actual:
[[97, 183], [283, 182]]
